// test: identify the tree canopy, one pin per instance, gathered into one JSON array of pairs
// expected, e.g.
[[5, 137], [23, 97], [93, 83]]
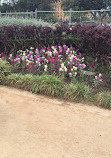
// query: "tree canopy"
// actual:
[[24, 5], [86, 4], [81, 5]]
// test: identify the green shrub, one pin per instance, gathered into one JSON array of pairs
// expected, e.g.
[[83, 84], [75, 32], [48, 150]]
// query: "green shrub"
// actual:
[[77, 92], [5, 69], [104, 99]]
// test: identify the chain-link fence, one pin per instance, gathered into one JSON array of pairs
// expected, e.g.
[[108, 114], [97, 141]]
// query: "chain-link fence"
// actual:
[[89, 17]]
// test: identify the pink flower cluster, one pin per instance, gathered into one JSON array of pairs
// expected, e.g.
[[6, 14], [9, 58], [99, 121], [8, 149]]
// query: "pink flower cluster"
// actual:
[[99, 77]]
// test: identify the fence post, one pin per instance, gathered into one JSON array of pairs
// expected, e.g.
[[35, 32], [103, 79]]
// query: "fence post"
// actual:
[[70, 17], [80, 19], [15, 14], [36, 14], [27, 14], [6, 13]]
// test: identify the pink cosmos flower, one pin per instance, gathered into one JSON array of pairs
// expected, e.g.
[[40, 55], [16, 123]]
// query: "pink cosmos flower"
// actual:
[[29, 67], [92, 65], [100, 75], [83, 66]]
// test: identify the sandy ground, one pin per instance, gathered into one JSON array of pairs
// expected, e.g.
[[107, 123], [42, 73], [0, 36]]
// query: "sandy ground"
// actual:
[[34, 126]]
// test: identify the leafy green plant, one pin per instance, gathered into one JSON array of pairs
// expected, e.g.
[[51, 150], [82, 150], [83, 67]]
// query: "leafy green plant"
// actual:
[[104, 99], [5, 69]]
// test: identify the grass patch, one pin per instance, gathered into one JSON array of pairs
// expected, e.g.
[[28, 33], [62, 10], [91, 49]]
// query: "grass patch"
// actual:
[[77, 92], [52, 85], [49, 85], [5, 69], [104, 99]]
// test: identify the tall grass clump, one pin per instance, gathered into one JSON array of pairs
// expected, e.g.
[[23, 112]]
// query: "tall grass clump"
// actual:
[[51, 85], [25, 82], [104, 99], [77, 92], [5, 69], [7, 21]]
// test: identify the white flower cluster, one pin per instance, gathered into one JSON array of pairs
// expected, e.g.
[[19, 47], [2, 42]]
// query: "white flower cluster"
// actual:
[[74, 68], [45, 68], [71, 74], [63, 68], [72, 57], [54, 50], [49, 53], [28, 62]]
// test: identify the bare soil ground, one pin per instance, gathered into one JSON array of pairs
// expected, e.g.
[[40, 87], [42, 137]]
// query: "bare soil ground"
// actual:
[[34, 126]]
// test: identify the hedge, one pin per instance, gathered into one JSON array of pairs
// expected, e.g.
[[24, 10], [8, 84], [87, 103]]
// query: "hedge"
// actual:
[[92, 40]]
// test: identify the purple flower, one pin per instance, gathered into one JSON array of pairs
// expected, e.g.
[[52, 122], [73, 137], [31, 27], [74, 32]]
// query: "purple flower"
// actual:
[[79, 56], [34, 66]]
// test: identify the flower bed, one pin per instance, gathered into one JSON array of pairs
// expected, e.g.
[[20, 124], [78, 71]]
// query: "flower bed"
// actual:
[[59, 60], [58, 71]]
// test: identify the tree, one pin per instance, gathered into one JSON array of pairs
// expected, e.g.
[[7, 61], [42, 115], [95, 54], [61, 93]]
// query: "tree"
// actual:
[[24, 5], [88, 5], [31, 5]]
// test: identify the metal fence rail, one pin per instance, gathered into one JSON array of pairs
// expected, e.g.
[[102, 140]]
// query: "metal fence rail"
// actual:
[[70, 17]]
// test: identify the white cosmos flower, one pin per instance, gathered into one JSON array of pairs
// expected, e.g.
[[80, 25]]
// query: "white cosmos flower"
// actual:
[[65, 69], [70, 74], [24, 53], [75, 73], [62, 65], [72, 56], [45, 66], [23, 58], [31, 48], [74, 68], [53, 47], [60, 69], [49, 53]]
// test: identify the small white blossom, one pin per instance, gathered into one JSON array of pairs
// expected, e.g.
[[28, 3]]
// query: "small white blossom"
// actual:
[[45, 66], [60, 69], [75, 73], [62, 65]]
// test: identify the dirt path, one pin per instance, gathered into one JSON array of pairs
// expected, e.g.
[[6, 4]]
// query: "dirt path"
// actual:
[[33, 126]]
